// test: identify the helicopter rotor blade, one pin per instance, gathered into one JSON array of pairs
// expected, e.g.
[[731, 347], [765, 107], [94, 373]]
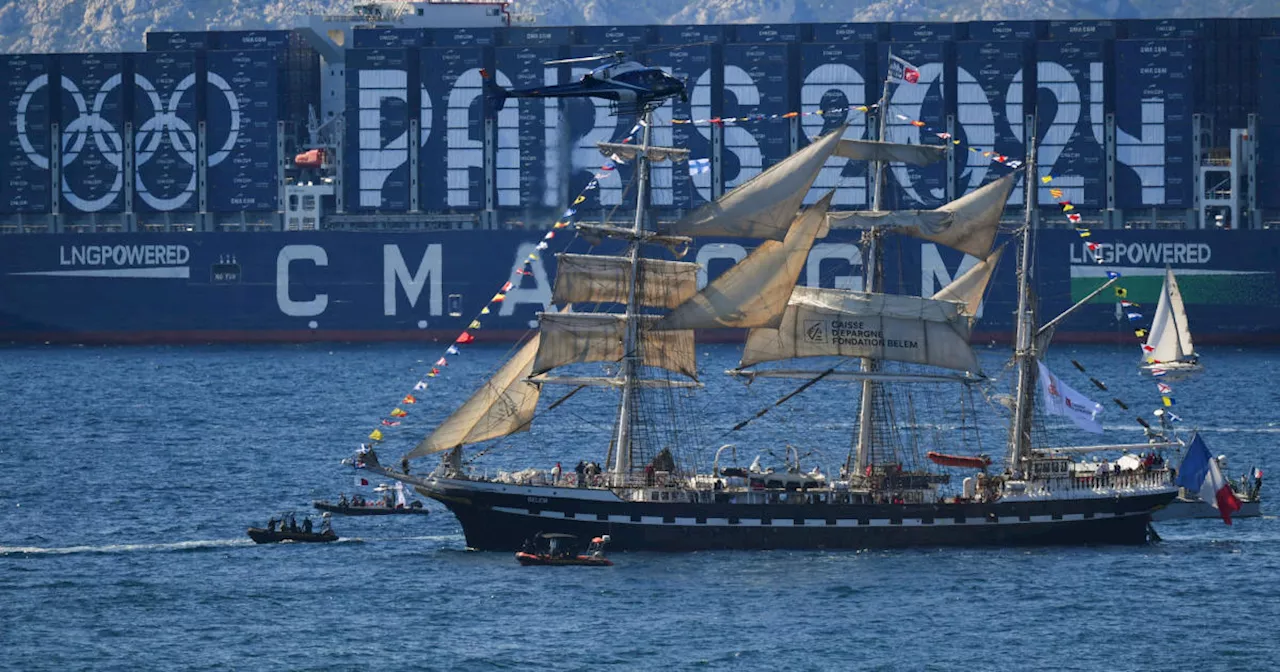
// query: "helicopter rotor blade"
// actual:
[[581, 59]]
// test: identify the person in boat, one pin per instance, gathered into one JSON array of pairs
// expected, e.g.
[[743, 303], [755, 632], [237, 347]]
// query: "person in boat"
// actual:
[[555, 474], [325, 528], [581, 471], [342, 499], [306, 525], [293, 523], [404, 464], [271, 525]]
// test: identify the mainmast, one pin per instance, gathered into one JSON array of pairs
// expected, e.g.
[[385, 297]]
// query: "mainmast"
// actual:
[[872, 239], [1024, 350], [631, 334]]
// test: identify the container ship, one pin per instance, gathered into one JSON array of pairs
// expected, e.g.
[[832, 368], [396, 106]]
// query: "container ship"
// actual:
[[349, 180]]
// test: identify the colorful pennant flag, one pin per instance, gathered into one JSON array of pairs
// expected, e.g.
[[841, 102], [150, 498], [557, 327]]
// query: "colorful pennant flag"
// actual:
[[1174, 418], [464, 338], [442, 362], [435, 371], [376, 435], [389, 423], [484, 311], [1073, 218], [453, 350], [1084, 233], [1056, 193], [1121, 292], [1134, 317], [902, 71], [1130, 304], [361, 481], [422, 384], [1167, 401], [398, 413], [1158, 373], [1112, 275], [1067, 207], [1046, 179], [699, 166], [409, 398], [506, 287], [498, 298], [1164, 389], [579, 199], [1139, 332]]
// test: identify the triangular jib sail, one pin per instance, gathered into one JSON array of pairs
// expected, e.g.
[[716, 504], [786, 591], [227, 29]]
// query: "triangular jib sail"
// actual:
[[1169, 339], [503, 405]]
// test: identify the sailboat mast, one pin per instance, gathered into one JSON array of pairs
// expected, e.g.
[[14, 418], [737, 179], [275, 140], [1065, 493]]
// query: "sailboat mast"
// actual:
[[1024, 353], [631, 337], [867, 404]]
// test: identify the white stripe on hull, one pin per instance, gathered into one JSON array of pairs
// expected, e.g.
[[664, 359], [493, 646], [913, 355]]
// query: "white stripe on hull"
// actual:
[[813, 522]]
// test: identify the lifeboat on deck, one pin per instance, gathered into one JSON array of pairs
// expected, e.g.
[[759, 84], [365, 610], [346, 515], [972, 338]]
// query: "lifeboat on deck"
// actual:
[[964, 461], [312, 158]]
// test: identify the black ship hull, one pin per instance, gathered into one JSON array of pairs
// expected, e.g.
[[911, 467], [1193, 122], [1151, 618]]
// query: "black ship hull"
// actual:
[[501, 517]]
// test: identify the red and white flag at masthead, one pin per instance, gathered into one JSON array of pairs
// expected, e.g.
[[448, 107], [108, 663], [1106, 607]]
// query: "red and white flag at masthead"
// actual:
[[902, 71]]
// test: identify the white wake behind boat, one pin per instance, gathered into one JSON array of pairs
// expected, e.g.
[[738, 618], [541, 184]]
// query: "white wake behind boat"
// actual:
[[1169, 350]]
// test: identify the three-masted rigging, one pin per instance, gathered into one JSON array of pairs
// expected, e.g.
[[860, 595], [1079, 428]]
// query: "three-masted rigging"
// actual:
[[897, 341]]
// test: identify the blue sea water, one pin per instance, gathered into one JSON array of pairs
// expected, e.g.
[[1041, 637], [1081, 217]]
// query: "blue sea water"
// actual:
[[128, 477]]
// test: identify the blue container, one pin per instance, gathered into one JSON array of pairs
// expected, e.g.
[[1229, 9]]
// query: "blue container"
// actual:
[[757, 82], [178, 41], [529, 130], [164, 126], [251, 39], [1164, 28], [1069, 96], [24, 138], [690, 35], [848, 32], [836, 76], [757, 33], [929, 101], [92, 112], [1007, 30], [451, 174], [557, 36], [698, 66], [1082, 30], [922, 32], [1153, 123], [241, 172], [389, 38], [463, 37], [379, 96], [990, 111], [626, 36]]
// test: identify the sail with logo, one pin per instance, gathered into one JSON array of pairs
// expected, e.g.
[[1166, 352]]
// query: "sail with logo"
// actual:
[[904, 361]]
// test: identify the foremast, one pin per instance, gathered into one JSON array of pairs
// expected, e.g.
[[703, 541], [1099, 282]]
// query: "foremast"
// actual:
[[1024, 344], [631, 334]]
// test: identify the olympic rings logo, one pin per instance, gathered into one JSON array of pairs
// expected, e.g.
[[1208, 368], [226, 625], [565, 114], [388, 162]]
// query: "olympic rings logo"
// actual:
[[149, 137]]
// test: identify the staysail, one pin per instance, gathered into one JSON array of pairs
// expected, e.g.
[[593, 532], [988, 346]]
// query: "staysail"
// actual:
[[503, 405], [887, 327], [971, 286], [1169, 339], [764, 206], [754, 292], [598, 279], [571, 338], [968, 224]]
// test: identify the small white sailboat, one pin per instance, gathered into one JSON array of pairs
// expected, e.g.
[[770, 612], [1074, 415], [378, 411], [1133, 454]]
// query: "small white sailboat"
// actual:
[[1169, 350]]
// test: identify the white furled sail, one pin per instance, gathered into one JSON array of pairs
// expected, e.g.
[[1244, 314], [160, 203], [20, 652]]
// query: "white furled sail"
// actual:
[[596, 279], [503, 405], [968, 224], [887, 327], [571, 338], [891, 152], [1169, 339], [764, 206], [971, 286], [754, 292]]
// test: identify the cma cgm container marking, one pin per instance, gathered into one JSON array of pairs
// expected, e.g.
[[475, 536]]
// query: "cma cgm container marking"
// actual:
[[92, 104], [557, 36], [1153, 123], [672, 185], [927, 32], [530, 146], [629, 37], [917, 187], [24, 137], [825, 33], [756, 83], [390, 38], [164, 131], [1070, 107], [451, 169], [410, 286], [379, 87], [690, 35], [757, 33], [178, 41], [837, 76], [1006, 30], [991, 95]]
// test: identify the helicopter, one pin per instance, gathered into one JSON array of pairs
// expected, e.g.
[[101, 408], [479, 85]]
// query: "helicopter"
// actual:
[[630, 86]]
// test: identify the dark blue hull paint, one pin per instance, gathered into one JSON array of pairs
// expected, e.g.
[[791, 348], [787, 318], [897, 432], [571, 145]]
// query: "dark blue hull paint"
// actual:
[[338, 286]]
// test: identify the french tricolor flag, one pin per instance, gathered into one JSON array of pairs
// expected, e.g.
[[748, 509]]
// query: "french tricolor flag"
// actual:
[[1200, 473]]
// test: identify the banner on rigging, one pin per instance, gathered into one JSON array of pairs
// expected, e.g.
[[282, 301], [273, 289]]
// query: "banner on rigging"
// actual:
[[1060, 399]]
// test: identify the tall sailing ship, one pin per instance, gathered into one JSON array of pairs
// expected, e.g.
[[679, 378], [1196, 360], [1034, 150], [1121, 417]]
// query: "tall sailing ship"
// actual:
[[903, 353]]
